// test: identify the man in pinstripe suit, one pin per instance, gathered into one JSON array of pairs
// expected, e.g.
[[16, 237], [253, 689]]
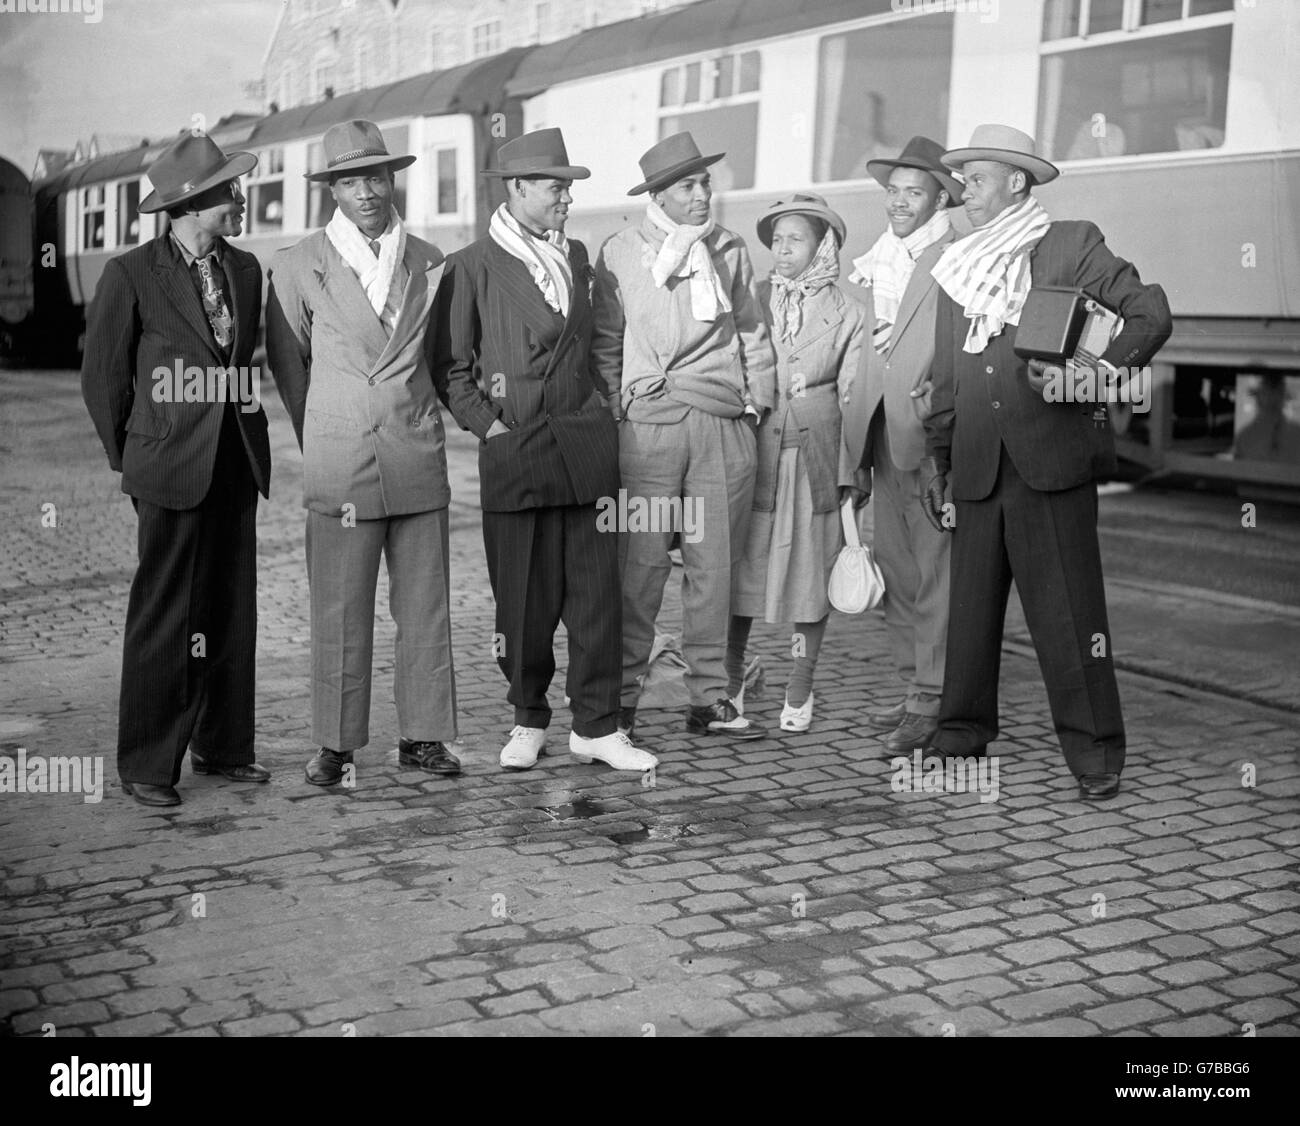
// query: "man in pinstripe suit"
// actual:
[[184, 309], [513, 341]]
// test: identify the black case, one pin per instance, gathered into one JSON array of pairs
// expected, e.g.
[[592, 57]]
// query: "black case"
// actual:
[[1051, 323]]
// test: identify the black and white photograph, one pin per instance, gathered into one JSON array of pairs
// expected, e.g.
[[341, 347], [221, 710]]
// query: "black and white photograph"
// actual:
[[650, 519]]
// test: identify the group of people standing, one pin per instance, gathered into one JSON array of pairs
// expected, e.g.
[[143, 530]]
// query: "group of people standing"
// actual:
[[664, 372]]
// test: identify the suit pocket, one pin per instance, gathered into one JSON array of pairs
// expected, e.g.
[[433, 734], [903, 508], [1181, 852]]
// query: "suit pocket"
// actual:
[[149, 426]]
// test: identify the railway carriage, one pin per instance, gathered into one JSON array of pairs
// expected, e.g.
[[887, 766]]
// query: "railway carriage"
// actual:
[[1176, 124], [17, 300]]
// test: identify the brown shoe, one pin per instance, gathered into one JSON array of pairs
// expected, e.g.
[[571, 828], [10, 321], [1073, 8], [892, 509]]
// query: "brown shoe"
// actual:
[[886, 719], [326, 769], [914, 732], [431, 757]]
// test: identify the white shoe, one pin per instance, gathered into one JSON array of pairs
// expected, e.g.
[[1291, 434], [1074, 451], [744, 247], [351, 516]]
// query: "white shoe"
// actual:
[[614, 750], [797, 719], [526, 743]]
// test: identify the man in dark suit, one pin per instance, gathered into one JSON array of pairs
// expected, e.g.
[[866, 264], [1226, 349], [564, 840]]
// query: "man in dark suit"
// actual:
[[1023, 468], [168, 384], [514, 336]]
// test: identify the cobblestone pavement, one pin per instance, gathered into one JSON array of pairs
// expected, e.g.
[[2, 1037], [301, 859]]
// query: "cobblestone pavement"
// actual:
[[780, 887]]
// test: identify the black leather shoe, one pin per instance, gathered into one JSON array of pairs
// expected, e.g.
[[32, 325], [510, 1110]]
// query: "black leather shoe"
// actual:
[[721, 718], [886, 719], [1098, 787], [246, 772], [945, 752], [147, 794], [627, 721], [326, 769], [432, 758], [915, 731]]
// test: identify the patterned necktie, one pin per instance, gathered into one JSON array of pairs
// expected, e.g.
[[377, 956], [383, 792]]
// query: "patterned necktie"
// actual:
[[214, 301]]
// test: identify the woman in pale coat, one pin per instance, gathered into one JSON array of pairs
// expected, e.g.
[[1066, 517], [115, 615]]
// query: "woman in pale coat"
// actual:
[[795, 533]]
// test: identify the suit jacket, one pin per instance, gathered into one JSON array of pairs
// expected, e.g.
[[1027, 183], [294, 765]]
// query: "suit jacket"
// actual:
[[503, 353], [982, 402], [891, 378], [147, 315], [810, 371], [363, 403]]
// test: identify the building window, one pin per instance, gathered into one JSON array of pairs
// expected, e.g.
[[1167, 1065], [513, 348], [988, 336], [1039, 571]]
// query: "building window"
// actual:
[[266, 193], [868, 103], [448, 196], [322, 77], [1163, 90], [485, 39], [128, 216], [92, 218]]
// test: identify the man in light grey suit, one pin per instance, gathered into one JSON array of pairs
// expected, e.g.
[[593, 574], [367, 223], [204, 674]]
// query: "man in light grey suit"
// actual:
[[883, 436], [348, 343]]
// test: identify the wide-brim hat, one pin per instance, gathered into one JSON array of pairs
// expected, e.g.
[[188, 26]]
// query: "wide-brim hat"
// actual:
[[540, 153], [352, 145], [670, 160], [188, 167], [801, 203], [925, 154], [1010, 146]]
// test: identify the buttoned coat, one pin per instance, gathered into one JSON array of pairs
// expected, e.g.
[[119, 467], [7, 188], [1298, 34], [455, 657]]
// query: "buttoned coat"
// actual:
[[983, 401], [503, 353], [362, 402], [811, 371], [147, 315], [892, 377]]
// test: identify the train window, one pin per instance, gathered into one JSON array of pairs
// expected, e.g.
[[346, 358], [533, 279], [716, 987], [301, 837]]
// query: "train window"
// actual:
[[1161, 94], [92, 218], [128, 215], [266, 193], [1105, 15], [447, 189], [320, 203], [749, 68], [731, 129], [876, 88], [724, 74], [398, 138], [1207, 7], [1064, 19]]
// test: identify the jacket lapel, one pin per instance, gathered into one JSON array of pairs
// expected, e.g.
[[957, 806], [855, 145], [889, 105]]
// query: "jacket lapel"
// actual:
[[240, 285], [512, 276], [174, 279], [344, 289], [820, 315], [417, 297], [579, 310], [917, 287]]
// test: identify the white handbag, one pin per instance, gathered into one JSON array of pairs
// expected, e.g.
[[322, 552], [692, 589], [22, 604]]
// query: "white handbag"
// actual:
[[856, 582]]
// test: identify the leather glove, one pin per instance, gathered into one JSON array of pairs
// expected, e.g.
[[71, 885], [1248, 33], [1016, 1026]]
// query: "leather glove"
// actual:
[[933, 486]]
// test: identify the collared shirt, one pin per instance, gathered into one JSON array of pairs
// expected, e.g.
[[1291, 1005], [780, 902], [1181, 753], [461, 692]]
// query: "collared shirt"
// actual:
[[190, 259]]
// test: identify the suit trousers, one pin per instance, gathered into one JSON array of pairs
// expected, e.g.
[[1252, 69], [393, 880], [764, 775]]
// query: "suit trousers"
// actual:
[[551, 565], [1047, 543], [188, 656], [709, 462], [343, 572], [914, 560]]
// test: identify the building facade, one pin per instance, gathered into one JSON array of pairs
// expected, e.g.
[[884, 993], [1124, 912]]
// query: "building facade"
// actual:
[[323, 48]]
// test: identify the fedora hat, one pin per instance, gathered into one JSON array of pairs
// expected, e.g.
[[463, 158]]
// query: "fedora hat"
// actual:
[[539, 153], [1010, 146], [925, 154], [801, 203], [189, 166], [351, 145], [670, 160]]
